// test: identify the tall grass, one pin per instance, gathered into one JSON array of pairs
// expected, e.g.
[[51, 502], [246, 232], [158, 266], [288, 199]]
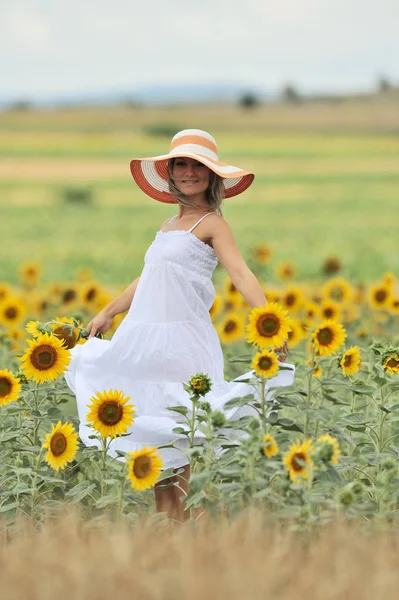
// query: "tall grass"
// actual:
[[248, 558]]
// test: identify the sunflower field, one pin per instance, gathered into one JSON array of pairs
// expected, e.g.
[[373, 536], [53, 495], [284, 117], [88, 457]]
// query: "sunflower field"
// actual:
[[319, 234], [328, 443]]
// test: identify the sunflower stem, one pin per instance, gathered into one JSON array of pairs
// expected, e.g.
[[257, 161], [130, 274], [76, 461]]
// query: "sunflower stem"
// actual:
[[34, 482], [36, 422], [263, 406]]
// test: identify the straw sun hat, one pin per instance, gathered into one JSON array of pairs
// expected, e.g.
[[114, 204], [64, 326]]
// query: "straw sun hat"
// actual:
[[151, 174]]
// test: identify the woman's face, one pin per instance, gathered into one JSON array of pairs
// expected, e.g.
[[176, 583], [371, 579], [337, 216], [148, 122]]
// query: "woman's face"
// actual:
[[190, 176]]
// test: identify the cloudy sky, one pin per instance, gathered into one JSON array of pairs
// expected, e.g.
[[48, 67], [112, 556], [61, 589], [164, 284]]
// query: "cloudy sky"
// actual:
[[49, 47]]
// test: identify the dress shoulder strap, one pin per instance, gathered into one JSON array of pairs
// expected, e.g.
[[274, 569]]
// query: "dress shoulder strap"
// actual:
[[169, 221], [199, 221]]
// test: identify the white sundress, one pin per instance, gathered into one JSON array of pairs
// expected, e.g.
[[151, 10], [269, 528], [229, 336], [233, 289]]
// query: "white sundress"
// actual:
[[166, 337]]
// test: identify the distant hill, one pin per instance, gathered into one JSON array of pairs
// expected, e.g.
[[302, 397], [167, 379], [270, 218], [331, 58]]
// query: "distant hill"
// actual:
[[155, 94]]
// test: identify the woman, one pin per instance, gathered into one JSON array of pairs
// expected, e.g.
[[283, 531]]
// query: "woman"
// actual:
[[167, 335]]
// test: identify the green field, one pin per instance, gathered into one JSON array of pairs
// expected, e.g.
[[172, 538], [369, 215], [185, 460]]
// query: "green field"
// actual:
[[327, 180]]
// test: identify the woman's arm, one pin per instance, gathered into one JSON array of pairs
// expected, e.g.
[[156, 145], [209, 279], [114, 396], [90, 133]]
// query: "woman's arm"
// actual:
[[244, 280], [122, 303], [226, 250]]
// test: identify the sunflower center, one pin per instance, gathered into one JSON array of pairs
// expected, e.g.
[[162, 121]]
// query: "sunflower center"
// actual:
[[265, 363], [393, 362], [142, 466], [91, 294], [58, 444], [68, 296], [66, 336], [297, 461], [232, 288], [5, 387], [325, 336], [337, 293], [230, 326], [329, 312], [380, 295], [110, 412], [290, 299], [348, 360], [11, 312], [268, 325], [44, 357]]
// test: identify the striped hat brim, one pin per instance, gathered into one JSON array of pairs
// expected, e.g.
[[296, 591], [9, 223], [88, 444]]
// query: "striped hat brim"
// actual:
[[151, 175]]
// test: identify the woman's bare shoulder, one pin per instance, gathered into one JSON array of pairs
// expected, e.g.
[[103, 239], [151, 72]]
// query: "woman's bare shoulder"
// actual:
[[217, 224]]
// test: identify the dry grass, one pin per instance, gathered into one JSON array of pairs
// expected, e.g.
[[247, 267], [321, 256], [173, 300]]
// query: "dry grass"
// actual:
[[218, 560]]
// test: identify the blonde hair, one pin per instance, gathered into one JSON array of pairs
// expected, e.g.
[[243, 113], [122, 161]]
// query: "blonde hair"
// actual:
[[214, 193]]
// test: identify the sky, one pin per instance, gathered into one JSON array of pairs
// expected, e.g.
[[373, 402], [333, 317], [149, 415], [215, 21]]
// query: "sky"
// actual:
[[50, 48]]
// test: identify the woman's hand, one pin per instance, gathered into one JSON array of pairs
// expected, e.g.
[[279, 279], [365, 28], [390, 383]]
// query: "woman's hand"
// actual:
[[283, 351], [102, 322]]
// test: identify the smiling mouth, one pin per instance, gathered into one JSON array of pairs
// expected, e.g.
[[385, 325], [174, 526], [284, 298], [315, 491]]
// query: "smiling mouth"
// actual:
[[189, 181]]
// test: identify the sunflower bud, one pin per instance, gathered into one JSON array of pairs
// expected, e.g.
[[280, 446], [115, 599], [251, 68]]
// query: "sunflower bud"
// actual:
[[21, 377], [205, 406], [200, 384], [218, 419], [346, 496]]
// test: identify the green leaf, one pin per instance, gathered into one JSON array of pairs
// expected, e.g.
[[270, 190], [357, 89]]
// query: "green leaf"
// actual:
[[7, 507], [179, 430], [80, 491], [289, 425], [183, 410]]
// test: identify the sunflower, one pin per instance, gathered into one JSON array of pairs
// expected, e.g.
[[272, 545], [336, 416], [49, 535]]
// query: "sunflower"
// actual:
[[337, 289], [311, 311], [32, 327], [12, 311], [10, 387], [328, 337], [45, 359], [110, 414], [262, 254], [330, 310], [229, 288], [270, 446], [298, 460], [389, 278], [291, 299], [394, 307], [216, 307], [331, 265], [30, 273], [350, 313], [391, 363], [16, 336], [68, 335], [62, 444], [231, 303], [265, 364], [144, 467], [231, 329], [69, 295], [317, 371], [268, 326], [380, 295], [350, 361], [297, 333], [89, 293], [328, 449], [285, 271], [5, 290]]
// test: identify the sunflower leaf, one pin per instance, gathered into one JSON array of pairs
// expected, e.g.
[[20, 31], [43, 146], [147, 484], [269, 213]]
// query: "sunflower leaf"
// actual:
[[80, 491], [183, 410]]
